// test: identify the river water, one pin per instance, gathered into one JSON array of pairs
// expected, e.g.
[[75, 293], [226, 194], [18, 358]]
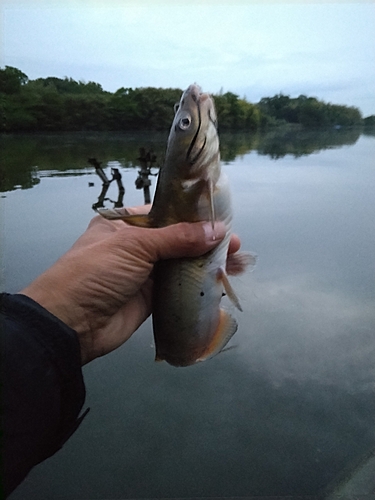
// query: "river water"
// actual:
[[288, 411]]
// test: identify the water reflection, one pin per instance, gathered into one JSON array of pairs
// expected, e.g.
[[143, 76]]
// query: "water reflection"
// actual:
[[147, 161], [116, 176], [25, 157], [292, 406], [298, 142], [18, 178], [102, 198], [99, 170], [370, 131], [280, 142]]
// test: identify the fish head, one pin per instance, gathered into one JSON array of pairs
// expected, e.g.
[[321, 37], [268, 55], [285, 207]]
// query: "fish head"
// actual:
[[193, 143]]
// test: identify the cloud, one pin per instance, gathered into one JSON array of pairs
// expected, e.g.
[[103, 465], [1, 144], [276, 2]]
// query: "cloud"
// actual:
[[262, 47], [298, 327]]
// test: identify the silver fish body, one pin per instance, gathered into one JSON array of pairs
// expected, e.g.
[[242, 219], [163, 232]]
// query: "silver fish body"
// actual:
[[189, 325]]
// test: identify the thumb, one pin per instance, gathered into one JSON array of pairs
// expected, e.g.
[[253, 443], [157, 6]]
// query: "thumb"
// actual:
[[185, 240]]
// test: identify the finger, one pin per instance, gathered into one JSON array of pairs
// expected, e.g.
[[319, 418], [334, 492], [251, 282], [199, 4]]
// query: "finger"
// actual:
[[104, 224], [183, 240], [234, 244], [98, 229]]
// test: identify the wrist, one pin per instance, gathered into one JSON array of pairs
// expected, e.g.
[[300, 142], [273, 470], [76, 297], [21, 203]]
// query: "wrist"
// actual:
[[53, 299]]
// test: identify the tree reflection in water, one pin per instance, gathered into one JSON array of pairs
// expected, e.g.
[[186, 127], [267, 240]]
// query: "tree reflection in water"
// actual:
[[27, 158]]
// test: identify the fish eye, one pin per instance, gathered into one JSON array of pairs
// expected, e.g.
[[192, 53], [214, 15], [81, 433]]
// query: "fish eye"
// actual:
[[184, 122]]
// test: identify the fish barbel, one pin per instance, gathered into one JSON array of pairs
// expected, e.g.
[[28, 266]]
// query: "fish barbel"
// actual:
[[189, 325]]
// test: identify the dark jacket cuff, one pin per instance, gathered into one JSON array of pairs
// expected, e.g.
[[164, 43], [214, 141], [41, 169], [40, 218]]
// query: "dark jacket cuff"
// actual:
[[42, 385]]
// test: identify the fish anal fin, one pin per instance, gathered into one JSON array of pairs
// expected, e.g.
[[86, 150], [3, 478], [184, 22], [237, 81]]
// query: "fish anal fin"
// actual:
[[223, 277], [140, 220], [239, 262], [226, 329]]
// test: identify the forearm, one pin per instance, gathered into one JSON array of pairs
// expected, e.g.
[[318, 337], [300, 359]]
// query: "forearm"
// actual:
[[51, 291]]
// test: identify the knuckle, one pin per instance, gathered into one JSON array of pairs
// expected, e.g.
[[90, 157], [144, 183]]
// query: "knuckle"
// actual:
[[190, 236]]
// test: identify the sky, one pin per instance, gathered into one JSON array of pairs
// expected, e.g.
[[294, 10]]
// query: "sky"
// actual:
[[254, 49]]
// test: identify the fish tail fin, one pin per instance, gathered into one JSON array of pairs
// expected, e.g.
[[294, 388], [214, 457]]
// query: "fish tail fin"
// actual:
[[225, 331]]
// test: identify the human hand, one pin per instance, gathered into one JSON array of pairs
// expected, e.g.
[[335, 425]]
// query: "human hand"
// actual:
[[102, 286]]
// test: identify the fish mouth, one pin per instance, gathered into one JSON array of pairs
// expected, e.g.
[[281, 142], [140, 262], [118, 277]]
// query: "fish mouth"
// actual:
[[195, 91], [192, 144], [196, 95]]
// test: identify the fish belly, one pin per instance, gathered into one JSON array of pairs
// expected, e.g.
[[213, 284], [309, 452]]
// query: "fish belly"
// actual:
[[186, 310]]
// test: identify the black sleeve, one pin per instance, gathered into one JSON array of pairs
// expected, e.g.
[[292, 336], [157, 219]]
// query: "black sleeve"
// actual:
[[42, 385]]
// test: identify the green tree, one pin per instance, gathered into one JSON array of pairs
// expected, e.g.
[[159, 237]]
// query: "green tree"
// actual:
[[235, 113], [54, 104], [307, 111], [147, 107], [86, 112], [11, 80], [69, 86]]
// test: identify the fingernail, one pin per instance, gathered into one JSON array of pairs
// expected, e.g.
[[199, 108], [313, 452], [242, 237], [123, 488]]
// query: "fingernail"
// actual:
[[214, 233]]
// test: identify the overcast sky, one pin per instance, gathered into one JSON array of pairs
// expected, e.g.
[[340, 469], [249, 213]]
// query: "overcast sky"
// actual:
[[254, 49]]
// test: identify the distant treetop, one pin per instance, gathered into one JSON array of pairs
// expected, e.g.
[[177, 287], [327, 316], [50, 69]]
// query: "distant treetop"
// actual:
[[63, 104]]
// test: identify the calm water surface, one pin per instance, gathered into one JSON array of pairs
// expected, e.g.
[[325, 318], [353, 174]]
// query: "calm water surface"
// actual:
[[292, 406]]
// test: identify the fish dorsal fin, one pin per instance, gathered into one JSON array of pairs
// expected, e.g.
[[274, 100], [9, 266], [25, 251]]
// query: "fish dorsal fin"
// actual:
[[226, 329], [222, 276], [140, 220]]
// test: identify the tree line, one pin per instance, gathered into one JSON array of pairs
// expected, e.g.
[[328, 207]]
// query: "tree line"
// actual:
[[55, 104]]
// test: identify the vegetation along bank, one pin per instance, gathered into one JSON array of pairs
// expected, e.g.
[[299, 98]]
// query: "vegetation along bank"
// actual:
[[54, 104]]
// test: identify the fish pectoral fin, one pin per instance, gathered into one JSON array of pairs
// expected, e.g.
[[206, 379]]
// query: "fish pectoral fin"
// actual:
[[140, 220], [111, 213], [225, 331], [223, 277], [239, 262]]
